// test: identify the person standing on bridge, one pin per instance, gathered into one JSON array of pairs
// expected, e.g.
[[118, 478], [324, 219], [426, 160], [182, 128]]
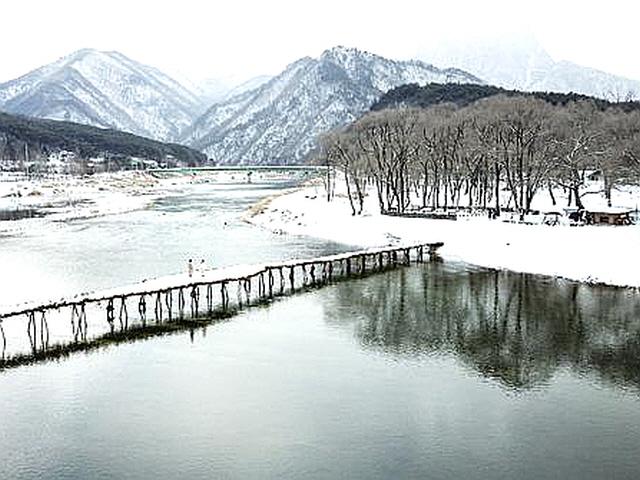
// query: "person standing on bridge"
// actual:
[[190, 268], [201, 268]]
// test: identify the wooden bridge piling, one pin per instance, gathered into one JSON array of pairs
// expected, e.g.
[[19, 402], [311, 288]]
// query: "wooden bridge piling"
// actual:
[[4, 341]]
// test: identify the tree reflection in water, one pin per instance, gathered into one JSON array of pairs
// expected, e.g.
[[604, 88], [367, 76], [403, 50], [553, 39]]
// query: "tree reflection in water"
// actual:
[[518, 329]]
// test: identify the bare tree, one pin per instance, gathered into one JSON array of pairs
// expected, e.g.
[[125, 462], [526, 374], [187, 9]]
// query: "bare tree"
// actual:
[[577, 131], [516, 145]]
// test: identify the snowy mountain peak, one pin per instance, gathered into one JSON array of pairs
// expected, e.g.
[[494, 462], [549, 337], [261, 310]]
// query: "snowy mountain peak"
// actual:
[[520, 62], [341, 53], [73, 57], [104, 89], [279, 121]]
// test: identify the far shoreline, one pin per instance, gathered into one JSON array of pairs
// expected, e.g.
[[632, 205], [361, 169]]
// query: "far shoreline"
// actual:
[[592, 255]]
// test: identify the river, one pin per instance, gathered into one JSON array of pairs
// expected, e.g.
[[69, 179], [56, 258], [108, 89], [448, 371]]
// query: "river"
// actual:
[[198, 221], [434, 371]]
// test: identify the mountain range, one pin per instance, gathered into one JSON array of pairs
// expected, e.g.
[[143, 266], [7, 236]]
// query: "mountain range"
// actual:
[[520, 62], [277, 119], [278, 122], [104, 89]]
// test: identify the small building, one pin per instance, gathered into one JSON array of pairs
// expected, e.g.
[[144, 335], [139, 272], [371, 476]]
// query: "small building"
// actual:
[[551, 218], [609, 216], [594, 175]]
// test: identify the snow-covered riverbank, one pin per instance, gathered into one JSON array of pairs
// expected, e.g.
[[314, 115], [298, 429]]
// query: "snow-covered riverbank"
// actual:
[[189, 216], [596, 254], [60, 198], [40, 202]]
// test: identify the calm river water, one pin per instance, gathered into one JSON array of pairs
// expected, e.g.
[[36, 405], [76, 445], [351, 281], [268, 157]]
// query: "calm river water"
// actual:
[[434, 371]]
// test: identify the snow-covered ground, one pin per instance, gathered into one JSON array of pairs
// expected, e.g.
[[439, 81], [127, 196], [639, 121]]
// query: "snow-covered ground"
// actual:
[[65, 197], [596, 254]]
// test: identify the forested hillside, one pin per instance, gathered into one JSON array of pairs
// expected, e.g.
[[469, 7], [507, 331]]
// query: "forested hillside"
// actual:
[[496, 152], [35, 140], [463, 94]]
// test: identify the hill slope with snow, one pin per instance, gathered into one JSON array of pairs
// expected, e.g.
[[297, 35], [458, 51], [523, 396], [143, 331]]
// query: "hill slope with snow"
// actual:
[[278, 122], [103, 89], [521, 63]]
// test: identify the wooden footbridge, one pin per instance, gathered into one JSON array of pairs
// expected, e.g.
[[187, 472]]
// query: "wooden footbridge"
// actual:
[[178, 302]]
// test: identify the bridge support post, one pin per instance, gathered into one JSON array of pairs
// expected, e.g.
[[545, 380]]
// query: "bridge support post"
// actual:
[[168, 302], [292, 278], [142, 310], [181, 303], [44, 331], [195, 299], [124, 314], [158, 308], [270, 279], [110, 315], [209, 299], [312, 274], [4, 341], [224, 297]]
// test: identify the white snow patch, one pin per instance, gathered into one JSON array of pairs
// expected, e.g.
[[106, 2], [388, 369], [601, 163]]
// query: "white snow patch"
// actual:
[[596, 254]]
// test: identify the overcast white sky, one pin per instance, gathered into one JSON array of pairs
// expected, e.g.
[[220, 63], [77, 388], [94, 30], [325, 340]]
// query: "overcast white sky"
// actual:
[[243, 38]]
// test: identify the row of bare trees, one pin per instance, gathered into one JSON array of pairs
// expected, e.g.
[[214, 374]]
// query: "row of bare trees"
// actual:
[[498, 152]]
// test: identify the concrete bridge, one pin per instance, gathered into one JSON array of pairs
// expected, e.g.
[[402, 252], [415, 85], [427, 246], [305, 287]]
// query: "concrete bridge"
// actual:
[[292, 170]]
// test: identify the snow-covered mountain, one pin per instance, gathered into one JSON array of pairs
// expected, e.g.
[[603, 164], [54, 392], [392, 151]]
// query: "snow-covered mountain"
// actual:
[[104, 89], [211, 90], [278, 122], [251, 84], [216, 90], [520, 62]]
